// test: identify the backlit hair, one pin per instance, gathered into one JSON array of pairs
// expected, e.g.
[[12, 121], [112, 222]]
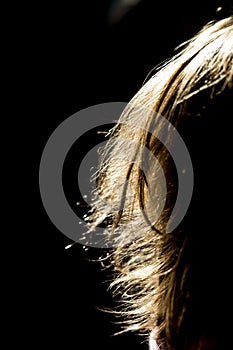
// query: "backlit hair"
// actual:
[[156, 271]]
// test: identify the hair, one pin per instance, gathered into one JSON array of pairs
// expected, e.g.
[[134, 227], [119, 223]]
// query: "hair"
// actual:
[[172, 283]]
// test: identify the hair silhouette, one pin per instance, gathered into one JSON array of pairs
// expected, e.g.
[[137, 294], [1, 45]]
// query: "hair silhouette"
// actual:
[[173, 285]]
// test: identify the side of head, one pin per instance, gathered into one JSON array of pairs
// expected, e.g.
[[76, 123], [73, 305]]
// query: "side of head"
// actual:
[[174, 283]]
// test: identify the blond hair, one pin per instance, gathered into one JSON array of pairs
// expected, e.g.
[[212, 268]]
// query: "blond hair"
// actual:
[[152, 267]]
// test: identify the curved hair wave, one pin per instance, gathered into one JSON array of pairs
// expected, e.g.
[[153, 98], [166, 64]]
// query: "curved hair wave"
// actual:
[[152, 267]]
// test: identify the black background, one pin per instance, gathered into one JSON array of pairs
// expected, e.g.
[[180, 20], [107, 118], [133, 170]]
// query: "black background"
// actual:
[[77, 57]]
